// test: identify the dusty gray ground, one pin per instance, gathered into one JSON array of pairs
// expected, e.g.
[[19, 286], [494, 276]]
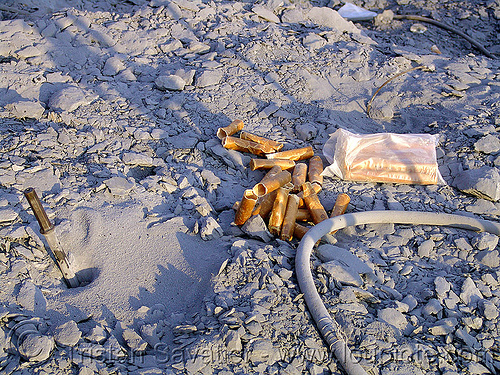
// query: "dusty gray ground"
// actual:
[[110, 109]]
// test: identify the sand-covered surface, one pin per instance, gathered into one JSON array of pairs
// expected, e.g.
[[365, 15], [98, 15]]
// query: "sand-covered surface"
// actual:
[[110, 110]]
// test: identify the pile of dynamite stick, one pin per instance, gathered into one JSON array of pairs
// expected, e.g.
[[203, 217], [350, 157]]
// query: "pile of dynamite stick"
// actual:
[[287, 196]]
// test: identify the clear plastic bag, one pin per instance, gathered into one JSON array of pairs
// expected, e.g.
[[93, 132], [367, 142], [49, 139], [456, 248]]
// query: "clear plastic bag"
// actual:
[[383, 157]]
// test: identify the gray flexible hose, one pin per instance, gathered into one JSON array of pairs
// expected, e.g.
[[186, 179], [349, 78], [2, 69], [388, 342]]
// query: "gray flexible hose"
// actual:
[[326, 325]]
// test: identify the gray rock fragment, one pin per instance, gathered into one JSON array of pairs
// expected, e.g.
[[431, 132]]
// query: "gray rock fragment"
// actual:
[[452, 300], [255, 227], [483, 182], [159, 134], [489, 258], [231, 158], [210, 229], [425, 248], [113, 66], [36, 347], [384, 112], [134, 158], [186, 75], [462, 244], [443, 327], [26, 109], [485, 241], [489, 144], [410, 301], [433, 307], [476, 368], [468, 339], [50, 30], [265, 13], [134, 341], [100, 35], [31, 298], [313, 41], [294, 15], [195, 365], [69, 98], [8, 214], [198, 47], [67, 334], [489, 310], [188, 4], [171, 45], [29, 51], [233, 341], [362, 74], [269, 110], [393, 317], [342, 273], [261, 351], [119, 185], [336, 257], [393, 204], [171, 82], [149, 332], [384, 18], [470, 294], [97, 335], [43, 181], [209, 78], [442, 286], [126, 75], [483, 207], [306, 131], [354, 307], [210, 178], [327, 17]]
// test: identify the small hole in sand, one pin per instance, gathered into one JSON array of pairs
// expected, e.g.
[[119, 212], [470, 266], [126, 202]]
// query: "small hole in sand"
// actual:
[[87, 276]]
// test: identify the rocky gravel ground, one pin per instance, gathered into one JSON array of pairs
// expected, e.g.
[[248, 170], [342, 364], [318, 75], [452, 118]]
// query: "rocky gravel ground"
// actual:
[[120, 101]]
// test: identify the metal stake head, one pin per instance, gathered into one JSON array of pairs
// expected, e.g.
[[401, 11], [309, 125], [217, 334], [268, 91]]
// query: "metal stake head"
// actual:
[[38, 210]]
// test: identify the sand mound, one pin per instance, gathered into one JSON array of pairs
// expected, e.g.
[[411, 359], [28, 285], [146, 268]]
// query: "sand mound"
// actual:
[[133, 261]]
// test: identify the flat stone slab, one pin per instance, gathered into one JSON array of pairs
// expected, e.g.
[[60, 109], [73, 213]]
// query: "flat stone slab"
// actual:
[[483, 182]]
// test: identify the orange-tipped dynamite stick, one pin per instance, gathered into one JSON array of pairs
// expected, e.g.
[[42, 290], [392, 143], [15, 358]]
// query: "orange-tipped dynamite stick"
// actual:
[[315, 170], [47, 229], [246, 207], [278, 212], [341, 204], [316, 187], [295, 154], [276, 146], [303, 215], [270, 173], [266, 204], [270, 163], [299, 231], [299, 175], [238, 144], [256, 210], [313, 204], [232, 128], [288, 226], [278, 180]]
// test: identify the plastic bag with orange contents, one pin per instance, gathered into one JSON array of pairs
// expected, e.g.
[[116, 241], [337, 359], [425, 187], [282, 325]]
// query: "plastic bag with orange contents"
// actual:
[[383, 157]]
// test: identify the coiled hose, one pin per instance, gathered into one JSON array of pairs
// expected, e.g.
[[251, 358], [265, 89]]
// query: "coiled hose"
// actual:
[[326, 325]]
